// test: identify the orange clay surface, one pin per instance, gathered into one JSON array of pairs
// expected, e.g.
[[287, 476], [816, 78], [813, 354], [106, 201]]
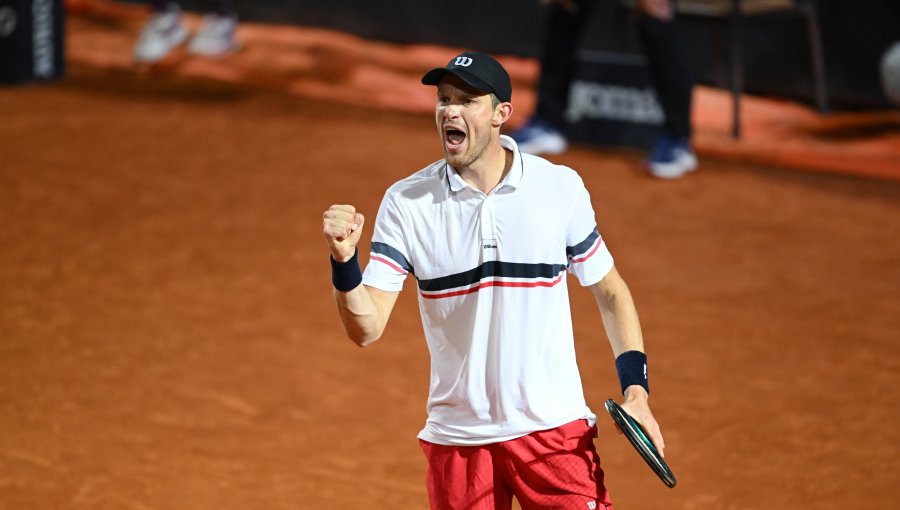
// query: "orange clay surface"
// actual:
[[168, 339]]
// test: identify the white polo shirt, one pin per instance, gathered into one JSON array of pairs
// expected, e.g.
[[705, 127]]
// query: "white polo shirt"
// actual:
[[492, 293]]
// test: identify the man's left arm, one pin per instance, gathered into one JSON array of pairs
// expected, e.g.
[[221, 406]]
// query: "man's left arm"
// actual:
[[620, 319]]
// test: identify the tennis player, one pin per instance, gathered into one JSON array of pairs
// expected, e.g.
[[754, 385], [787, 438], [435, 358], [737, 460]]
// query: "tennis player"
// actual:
[[489, 234]]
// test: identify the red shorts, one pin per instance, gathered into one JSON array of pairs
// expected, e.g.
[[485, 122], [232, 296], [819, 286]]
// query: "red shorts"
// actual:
[[549, 469]]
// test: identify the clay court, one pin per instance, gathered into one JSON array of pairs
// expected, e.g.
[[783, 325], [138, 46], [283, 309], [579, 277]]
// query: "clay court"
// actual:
[[168, 338]]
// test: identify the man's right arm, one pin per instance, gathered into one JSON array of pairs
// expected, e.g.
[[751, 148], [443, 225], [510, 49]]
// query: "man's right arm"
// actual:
[[364, 310]]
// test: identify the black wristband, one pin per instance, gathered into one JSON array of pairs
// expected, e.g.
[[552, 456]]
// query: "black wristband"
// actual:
[[346, 276], [632, 369]]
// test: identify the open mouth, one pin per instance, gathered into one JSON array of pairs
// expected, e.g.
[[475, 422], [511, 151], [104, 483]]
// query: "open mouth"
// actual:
[[455, 137]]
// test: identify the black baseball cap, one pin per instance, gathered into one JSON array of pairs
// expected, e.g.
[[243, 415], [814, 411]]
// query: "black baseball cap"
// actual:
[[478, 70]]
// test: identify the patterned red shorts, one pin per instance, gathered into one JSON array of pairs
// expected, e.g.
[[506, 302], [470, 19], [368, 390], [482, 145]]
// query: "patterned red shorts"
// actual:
[[550, 469]]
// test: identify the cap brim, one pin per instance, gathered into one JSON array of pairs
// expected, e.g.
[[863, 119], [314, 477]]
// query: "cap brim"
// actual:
[[435, 76]]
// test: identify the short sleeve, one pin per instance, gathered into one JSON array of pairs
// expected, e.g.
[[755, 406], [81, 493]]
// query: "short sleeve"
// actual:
[[388, 259], [589, 258]]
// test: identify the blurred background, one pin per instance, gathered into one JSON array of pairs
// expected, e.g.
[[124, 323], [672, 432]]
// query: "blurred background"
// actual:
[[167, 333], [775, 45]]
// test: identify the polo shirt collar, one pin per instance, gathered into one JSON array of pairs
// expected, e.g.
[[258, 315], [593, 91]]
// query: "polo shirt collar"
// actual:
[[512, 180]]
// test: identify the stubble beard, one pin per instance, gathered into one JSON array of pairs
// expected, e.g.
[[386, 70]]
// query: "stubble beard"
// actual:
[[475, 148]]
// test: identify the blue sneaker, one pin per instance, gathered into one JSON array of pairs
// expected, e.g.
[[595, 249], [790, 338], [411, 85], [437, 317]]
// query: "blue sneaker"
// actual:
[[538, 136], [671, 158]]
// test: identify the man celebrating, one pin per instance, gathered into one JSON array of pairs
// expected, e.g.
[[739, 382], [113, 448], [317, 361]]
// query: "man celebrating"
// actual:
[[489, 234]]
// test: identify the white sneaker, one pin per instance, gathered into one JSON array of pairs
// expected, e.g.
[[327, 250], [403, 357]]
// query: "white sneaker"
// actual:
[[671, 158], [162, 33], [215, 37]]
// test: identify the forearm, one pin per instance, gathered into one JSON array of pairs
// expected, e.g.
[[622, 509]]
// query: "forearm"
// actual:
[[624, 331], [623, 328], [363, 319]]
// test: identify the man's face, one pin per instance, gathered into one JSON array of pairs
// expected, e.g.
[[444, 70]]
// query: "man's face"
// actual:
[[465, 119]]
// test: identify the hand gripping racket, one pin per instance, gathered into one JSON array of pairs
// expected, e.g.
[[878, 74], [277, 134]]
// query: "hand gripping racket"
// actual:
[[641, 442]]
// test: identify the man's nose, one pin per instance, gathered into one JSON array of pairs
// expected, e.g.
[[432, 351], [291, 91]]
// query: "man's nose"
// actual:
[[451, 111]]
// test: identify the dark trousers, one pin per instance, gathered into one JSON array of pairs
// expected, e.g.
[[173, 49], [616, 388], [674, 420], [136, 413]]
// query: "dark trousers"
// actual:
[[669, 70]]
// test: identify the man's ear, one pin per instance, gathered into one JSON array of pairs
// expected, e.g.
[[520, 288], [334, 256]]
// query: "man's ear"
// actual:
[[502, 114]]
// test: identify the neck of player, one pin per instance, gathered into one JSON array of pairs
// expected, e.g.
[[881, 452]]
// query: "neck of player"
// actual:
[[489, 170]]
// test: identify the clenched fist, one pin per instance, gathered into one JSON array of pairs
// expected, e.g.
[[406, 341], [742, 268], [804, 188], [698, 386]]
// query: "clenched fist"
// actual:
[[342, 227]]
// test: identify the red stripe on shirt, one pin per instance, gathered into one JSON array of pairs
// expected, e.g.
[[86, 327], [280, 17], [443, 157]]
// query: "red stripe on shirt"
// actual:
[[590, 253], [389, 262], [493, 283]]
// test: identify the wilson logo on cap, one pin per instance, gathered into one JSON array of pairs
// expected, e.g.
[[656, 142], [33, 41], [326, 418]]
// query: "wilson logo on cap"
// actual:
[[478, 70]]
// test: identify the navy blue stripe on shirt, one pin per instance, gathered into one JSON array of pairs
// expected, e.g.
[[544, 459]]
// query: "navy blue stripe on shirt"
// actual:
[[493, 269], [584, 246], [389, 252]]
